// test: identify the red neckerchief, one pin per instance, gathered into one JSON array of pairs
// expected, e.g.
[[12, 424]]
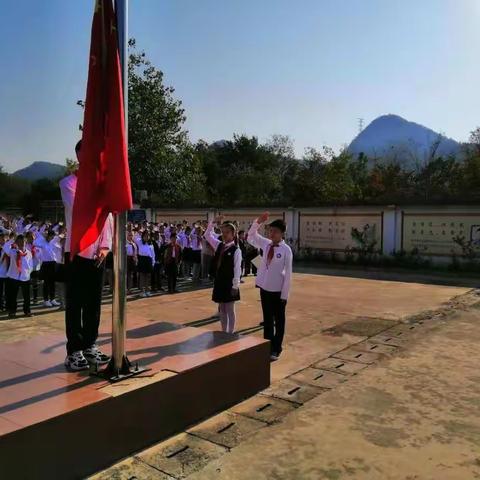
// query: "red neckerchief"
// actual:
[[20, 255], [271, 252]]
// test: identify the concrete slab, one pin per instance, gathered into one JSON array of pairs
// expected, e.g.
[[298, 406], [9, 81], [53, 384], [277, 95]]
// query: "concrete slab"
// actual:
[[293, 391], [182, 455], [227, 429], [131, 469], [269, 410], [406, 418]]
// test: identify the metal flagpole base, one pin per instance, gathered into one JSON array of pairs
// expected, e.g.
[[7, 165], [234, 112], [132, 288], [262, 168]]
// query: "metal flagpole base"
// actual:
[[114, 375]]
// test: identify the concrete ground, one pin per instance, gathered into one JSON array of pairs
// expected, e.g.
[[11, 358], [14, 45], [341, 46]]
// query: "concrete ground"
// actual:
[[414, 416], [378, 380]]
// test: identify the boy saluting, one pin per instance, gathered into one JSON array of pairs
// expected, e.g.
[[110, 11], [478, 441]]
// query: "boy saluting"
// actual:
[[273, 278]]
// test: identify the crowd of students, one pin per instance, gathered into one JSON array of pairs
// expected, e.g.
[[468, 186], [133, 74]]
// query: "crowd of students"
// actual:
[[163, 252], [33, 252], [32, 256]]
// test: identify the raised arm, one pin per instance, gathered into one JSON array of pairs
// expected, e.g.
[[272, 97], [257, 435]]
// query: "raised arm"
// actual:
[[254, 238], [210, 237]]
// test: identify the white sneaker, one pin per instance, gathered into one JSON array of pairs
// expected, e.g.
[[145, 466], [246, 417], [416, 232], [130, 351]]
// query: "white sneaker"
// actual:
[[55, 303], [95, 356], [144, 295], [47, 304], [76, 361]]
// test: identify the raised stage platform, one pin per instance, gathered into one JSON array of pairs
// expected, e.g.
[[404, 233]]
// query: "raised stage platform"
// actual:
[[56, 424]]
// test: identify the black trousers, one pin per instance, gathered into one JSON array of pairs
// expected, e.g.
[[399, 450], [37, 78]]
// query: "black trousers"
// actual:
[[84, 282], [11, 289], [3, 282], [273, 319], [157, 276], [47, 273], [34, 279], [171, 269]]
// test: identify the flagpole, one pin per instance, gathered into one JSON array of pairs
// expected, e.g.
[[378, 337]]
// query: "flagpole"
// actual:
[[120, 362]]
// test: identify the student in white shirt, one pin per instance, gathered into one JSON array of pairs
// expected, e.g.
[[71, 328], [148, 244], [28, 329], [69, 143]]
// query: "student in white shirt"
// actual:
[[196, 245], [172, 259], [146, 262], [37, 264], [227, 270], [18, 276], [132, 260], [273, 279], [4, 264], [84, 283], [48, 244]]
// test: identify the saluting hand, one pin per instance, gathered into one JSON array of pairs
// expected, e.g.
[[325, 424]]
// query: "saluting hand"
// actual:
[[263, 218]]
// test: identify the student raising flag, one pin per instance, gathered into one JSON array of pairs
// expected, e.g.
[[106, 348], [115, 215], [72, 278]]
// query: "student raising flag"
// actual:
[[100, 187], [103, 184]]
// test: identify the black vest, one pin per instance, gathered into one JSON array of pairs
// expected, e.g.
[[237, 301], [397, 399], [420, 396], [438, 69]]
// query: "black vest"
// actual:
[[223, 269]]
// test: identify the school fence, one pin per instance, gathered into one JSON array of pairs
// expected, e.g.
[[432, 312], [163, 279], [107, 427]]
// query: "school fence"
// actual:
[[437, 232]]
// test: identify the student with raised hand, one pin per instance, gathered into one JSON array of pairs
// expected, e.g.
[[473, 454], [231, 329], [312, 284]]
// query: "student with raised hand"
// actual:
[[273, 278], [226, 270], [18, 275]]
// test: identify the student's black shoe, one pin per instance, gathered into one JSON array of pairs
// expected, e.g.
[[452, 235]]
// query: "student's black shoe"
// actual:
[[29, 314]]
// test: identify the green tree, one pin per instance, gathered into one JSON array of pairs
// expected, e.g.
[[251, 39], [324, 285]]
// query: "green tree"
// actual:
[[162, 160], [12, 189], [241, 172]]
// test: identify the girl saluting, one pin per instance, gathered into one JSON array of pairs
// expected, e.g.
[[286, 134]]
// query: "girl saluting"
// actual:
[[226, 270]]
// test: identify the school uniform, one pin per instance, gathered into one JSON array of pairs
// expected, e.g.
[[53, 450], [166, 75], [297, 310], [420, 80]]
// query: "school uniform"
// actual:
[[132, 251], [18, 278], [172, 258], [146, 257], [187, 253], [273, 279], [48, 269], [196, 245], [84, 281], [37, 264], [226, 271], [242, 244], [4, 266], [157, 267], [207, 256]]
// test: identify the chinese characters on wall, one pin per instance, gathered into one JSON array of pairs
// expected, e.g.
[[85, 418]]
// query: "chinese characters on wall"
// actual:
[[334, 232], [434, 235]]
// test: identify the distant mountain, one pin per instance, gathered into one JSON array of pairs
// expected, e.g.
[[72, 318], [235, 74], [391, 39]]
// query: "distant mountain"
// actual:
[[392, 138], [219, 144], [38, 170]]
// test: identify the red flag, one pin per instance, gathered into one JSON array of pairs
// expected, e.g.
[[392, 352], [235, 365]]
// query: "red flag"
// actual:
[[103, 184]]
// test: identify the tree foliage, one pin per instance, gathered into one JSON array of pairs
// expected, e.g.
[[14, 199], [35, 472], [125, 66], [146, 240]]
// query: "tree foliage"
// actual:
[[161, 157]]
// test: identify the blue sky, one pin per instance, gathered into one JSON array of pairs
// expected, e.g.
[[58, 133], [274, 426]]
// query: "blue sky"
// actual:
[[307, 68]]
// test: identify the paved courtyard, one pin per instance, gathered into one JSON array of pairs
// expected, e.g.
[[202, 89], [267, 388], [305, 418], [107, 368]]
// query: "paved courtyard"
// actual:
[[379, 379]]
